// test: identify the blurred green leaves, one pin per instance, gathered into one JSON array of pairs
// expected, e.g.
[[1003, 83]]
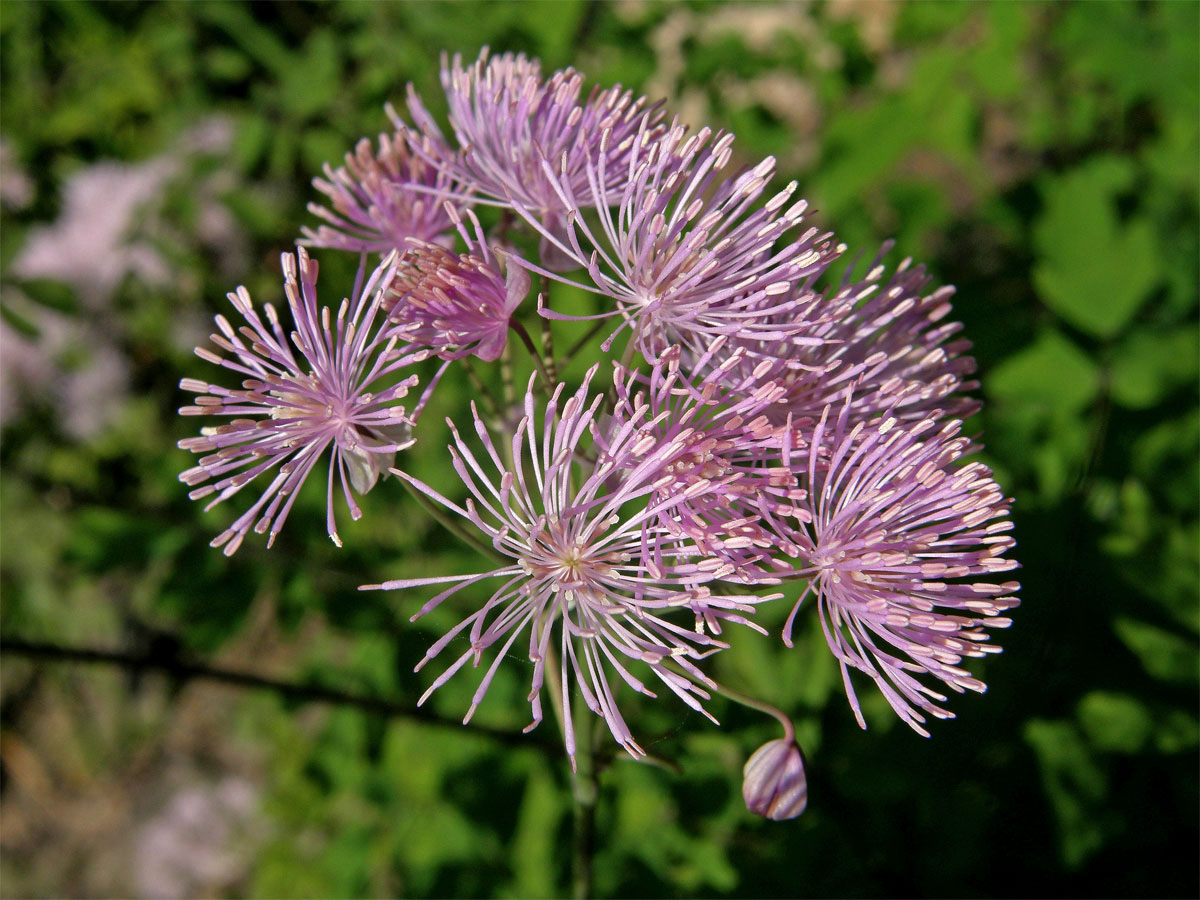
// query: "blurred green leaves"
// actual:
[[1076, 785], [1094, 271], [1152, 363], [1021, 379], [1165, 656], [1040, 156]]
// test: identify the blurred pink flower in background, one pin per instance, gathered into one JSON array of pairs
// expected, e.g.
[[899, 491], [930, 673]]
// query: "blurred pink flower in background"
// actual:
[[110, 219]]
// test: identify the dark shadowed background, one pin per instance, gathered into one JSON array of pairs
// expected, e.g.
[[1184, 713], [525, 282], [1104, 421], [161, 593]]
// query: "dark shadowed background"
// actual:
[[1041, 157]]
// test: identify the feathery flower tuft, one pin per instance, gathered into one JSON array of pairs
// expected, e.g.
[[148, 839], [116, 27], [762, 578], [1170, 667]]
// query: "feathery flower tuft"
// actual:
[[338, 387], [381, 198], [456, 304], [712, 430], [507, 119], [887, 341], [585, 552], [902, 548], [685, 256]]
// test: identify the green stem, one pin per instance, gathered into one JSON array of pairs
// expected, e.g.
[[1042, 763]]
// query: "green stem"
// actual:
[[582, 342], [584, 787], [485, 394], [539, 363], [548, 338], [744, 700], [175, 664], [454, 526], [789, 732], [506, 376]]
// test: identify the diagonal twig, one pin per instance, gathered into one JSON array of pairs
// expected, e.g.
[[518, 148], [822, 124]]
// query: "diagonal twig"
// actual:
[[178, 667]]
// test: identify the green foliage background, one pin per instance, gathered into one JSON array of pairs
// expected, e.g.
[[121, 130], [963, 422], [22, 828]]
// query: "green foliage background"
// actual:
[[1041, 157]]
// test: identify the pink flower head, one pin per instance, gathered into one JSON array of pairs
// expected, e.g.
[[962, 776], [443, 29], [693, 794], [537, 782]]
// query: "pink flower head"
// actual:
[[507, 119], [688, 256], [456, 304], [382, 198], [711, 431], [902, 548], [332, 384], [887, 341], [583, 550]]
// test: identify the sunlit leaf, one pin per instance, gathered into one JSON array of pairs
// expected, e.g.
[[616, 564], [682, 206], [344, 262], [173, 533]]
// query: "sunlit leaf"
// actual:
[[1051, 373], [1093, 270], [1115, 722], [1164, 655], [1075, 784]]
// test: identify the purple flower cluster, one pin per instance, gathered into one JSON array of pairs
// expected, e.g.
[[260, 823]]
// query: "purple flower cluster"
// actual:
[[756, 427], [575, 556]]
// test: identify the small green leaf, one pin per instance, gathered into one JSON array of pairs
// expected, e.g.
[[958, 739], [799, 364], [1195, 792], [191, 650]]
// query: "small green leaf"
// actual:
[[250, 144], [1166, 656], [1075, 783], [312, 84], [1094, 271], [227, 64], [1135, 522], [1051, 372], [19, 323], [534, 838], [1115, 722], [319, 146], [54, 294], [1177, 732], [1148, 365]]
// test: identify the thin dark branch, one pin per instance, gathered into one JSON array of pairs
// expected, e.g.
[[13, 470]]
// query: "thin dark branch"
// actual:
[[184, 669], [587, 24], [482, 390], [579, 344], [538, 362]]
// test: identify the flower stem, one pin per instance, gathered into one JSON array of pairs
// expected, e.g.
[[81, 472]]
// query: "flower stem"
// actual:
[[539, 363], [789, 732], [506, 376], [548, 339], [584, 787], [177, 665], [582, 342], [585, 831], [454, 526]]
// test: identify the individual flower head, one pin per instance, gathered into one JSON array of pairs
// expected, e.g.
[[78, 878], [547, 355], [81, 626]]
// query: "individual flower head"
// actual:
[[335, 383], [685, 254], [584, 557], [711, 430], [508, 118], [381, 198], [901, 550], [456, 304], [888, 340]]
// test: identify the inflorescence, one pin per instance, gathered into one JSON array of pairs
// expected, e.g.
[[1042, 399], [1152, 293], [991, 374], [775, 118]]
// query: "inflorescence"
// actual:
[[751, 428]]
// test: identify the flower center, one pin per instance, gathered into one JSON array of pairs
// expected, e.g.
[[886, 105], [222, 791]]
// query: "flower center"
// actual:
[[310, 398], [564, 560]]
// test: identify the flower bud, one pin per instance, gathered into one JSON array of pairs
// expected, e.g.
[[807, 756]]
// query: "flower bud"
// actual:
[[773, 782]]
